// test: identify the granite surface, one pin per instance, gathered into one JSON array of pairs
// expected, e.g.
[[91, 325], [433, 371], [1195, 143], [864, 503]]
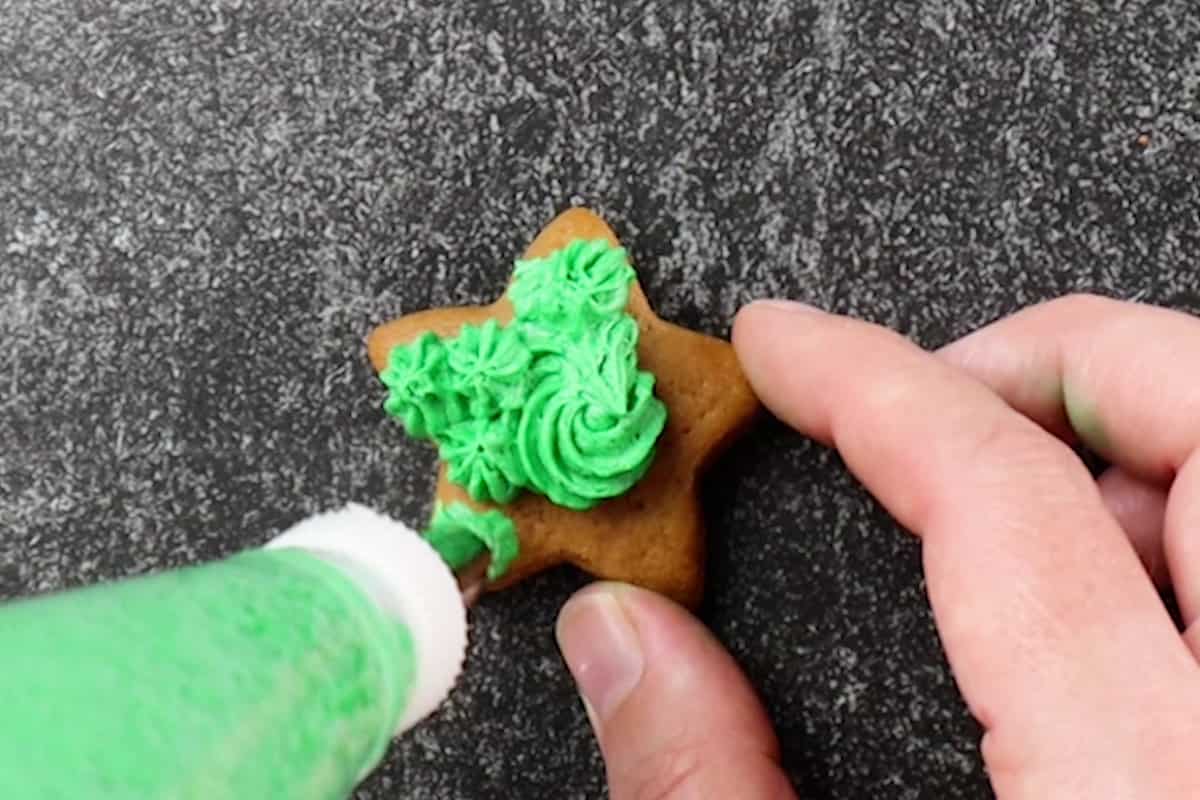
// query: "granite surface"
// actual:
[[204, 207]]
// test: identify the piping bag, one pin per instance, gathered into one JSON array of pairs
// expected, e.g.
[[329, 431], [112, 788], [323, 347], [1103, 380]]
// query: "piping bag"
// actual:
[[282, 672]]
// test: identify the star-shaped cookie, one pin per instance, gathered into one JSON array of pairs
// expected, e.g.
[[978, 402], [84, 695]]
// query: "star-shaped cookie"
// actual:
[[653, 535]]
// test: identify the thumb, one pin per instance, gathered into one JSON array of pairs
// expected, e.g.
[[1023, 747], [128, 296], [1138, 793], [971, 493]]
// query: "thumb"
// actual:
[[674, 715]]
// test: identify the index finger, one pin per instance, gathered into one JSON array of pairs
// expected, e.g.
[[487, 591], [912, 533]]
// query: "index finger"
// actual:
[[1047, 617]]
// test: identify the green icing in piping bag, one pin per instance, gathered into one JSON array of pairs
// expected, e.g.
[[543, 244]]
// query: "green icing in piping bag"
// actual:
[[277, 673]]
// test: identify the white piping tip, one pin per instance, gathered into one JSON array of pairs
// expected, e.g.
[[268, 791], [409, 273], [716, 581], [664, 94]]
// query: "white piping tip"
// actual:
[[408, 580]]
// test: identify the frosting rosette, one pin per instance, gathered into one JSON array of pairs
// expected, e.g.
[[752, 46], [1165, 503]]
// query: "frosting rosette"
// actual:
[[416, 377], [583, 282], [589, 426], [489, 365], [480, 457]]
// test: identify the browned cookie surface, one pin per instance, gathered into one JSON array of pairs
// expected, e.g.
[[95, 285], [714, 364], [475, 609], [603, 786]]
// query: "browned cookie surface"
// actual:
[[653, 535]]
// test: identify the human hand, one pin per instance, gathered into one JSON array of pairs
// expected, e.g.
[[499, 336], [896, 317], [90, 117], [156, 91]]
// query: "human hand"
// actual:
[[1057, 637]]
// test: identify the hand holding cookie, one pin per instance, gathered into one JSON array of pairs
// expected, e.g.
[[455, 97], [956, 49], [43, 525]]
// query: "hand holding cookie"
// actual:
[[1058, 639]]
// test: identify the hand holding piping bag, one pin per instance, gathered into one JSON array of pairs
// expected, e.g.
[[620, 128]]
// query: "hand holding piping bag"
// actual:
[[281, 672]]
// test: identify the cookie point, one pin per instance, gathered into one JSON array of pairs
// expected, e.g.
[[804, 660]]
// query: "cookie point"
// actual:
[[577, 215], [574, 223], [378, 346], [382, 339]]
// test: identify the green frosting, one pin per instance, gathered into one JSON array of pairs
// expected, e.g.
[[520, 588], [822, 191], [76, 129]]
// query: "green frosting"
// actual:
[[489, 366], [480, 457], [553, 402], [419, 390], [589, 426], [461, 535], [582, 283]]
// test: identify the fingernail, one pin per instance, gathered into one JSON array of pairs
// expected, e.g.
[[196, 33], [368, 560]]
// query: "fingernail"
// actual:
[[790, 306], [601, 649]]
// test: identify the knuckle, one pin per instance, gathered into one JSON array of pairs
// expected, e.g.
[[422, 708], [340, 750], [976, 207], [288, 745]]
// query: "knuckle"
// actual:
[[860, 423], [900, 391], [1081, 304], [1018, 469], [1015, 451], [1007, 439]]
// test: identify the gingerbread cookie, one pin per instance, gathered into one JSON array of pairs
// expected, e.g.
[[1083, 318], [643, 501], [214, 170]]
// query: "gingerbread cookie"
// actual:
[[572, 410]]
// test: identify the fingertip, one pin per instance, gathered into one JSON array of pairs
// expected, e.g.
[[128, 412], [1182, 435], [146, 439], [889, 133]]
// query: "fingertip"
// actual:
[[602, 648], [761, 318], [768, 337], [657, 685], [783, 306], [745, 327]]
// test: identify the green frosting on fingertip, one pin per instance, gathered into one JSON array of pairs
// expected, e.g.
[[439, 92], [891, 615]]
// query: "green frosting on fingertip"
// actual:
[[460, 535], [553, 402], [1084, 418]]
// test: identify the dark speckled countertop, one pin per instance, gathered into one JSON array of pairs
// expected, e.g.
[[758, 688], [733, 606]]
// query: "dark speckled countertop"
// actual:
[[204, 207]]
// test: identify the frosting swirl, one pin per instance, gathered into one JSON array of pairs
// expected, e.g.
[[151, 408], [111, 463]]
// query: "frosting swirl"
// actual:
[[589, 427], [415, 377], [479, 457]]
